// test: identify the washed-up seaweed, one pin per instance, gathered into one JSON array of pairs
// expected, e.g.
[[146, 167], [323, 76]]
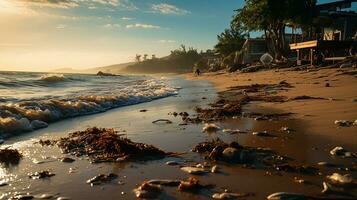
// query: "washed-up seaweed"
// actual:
[[106, 145], [231, 101], [10, 156], [217, 150]]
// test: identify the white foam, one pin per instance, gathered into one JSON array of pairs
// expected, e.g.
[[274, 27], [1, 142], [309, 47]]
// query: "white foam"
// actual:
[[31, 115], [53, 77]]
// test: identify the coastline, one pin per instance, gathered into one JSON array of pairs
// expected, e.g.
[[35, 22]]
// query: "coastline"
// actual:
[[176, 138]]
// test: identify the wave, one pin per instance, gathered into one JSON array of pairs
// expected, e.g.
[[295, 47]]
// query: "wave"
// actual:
[[30, 115], [53, 77]]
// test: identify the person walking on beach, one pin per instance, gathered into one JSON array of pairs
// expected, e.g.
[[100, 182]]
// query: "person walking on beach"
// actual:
[[197, 72]]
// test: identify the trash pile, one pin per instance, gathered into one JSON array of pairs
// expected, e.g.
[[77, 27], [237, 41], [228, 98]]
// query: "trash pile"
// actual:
[[106, 145]]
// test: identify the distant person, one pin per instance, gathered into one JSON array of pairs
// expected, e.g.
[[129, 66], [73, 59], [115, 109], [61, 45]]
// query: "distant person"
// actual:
[[197, 72]]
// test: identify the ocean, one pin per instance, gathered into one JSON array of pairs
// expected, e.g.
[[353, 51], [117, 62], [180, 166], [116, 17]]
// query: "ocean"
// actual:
[[30, 101]]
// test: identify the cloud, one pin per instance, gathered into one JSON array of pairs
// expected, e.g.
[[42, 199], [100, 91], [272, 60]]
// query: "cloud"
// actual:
[[61, 26], [110, 26], [127, 18], [52, 3], [167, 41], [143, 26], [168, 9], [126, 4]]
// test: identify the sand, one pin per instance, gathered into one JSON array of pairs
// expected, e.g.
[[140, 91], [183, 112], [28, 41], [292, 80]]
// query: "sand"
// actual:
[[314, 136]]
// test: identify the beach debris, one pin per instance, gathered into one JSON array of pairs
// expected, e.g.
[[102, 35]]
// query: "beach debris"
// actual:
[[344, 123], [328, 188], [232, 131], [63, 198], [305, 97], [162, 121], [339, 179], [44, 196], [10, 156], [67, 159], [209, 128], [172, 163], [143, 110], [165, 182], [302, 169], [340, 151], [194, 170], [228, 195], [190, 184], [286, 129], [106, 145], [218, 150], [41, 174], [214, 169], [147, 190], [3, 183], [287, 196], [22, 196], [101, 178], [262, 134]]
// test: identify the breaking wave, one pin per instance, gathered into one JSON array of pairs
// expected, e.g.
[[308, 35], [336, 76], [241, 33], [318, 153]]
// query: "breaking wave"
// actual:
[[53, 77], [29, 115]]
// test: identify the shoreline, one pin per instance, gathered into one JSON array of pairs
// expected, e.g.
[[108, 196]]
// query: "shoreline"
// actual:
[[304, 145]]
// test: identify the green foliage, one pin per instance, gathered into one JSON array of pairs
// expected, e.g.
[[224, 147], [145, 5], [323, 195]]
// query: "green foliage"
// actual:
[[271, 16], [179, 61], [231, 40]]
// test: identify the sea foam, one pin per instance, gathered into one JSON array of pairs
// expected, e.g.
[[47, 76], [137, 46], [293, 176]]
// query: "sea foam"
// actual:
[[28, 115]]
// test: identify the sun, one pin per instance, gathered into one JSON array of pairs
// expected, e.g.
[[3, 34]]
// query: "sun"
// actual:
[[7, 7]]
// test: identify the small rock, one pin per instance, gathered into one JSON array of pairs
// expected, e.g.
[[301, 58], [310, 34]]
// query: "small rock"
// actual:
[[228, 195], [210, 128], [164, 182], [189, 185], [230, 131], [214, 169], [172, 163], [101, 178], [230, 154], [147, 191], [344, 123], [340, 179], [41, 174], [23, 196], [63, 198], [340, 151], [327, 84], [287, 196], [44, 196], [194, 170], [143, 110], [261, 133], [67, 160]]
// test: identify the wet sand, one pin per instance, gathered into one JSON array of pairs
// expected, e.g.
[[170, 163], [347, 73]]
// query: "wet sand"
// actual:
[[314, 136]]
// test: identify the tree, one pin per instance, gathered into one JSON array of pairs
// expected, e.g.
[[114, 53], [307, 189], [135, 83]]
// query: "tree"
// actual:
[[153, 56], [138, 58], [271, 16], [230, 41], [145, 57]]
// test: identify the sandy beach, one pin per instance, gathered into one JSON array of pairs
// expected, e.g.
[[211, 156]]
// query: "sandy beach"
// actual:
[[312, 121]]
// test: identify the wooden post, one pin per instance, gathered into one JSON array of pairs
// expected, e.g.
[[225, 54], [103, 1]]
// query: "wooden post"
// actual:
[[311, 57], [297, 57]]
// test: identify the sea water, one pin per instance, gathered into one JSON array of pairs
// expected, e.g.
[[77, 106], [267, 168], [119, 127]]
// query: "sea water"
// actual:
[[29, 101]]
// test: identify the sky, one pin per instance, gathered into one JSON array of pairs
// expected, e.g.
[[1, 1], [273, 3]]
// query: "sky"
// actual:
[[42, 35], [39, 35]]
